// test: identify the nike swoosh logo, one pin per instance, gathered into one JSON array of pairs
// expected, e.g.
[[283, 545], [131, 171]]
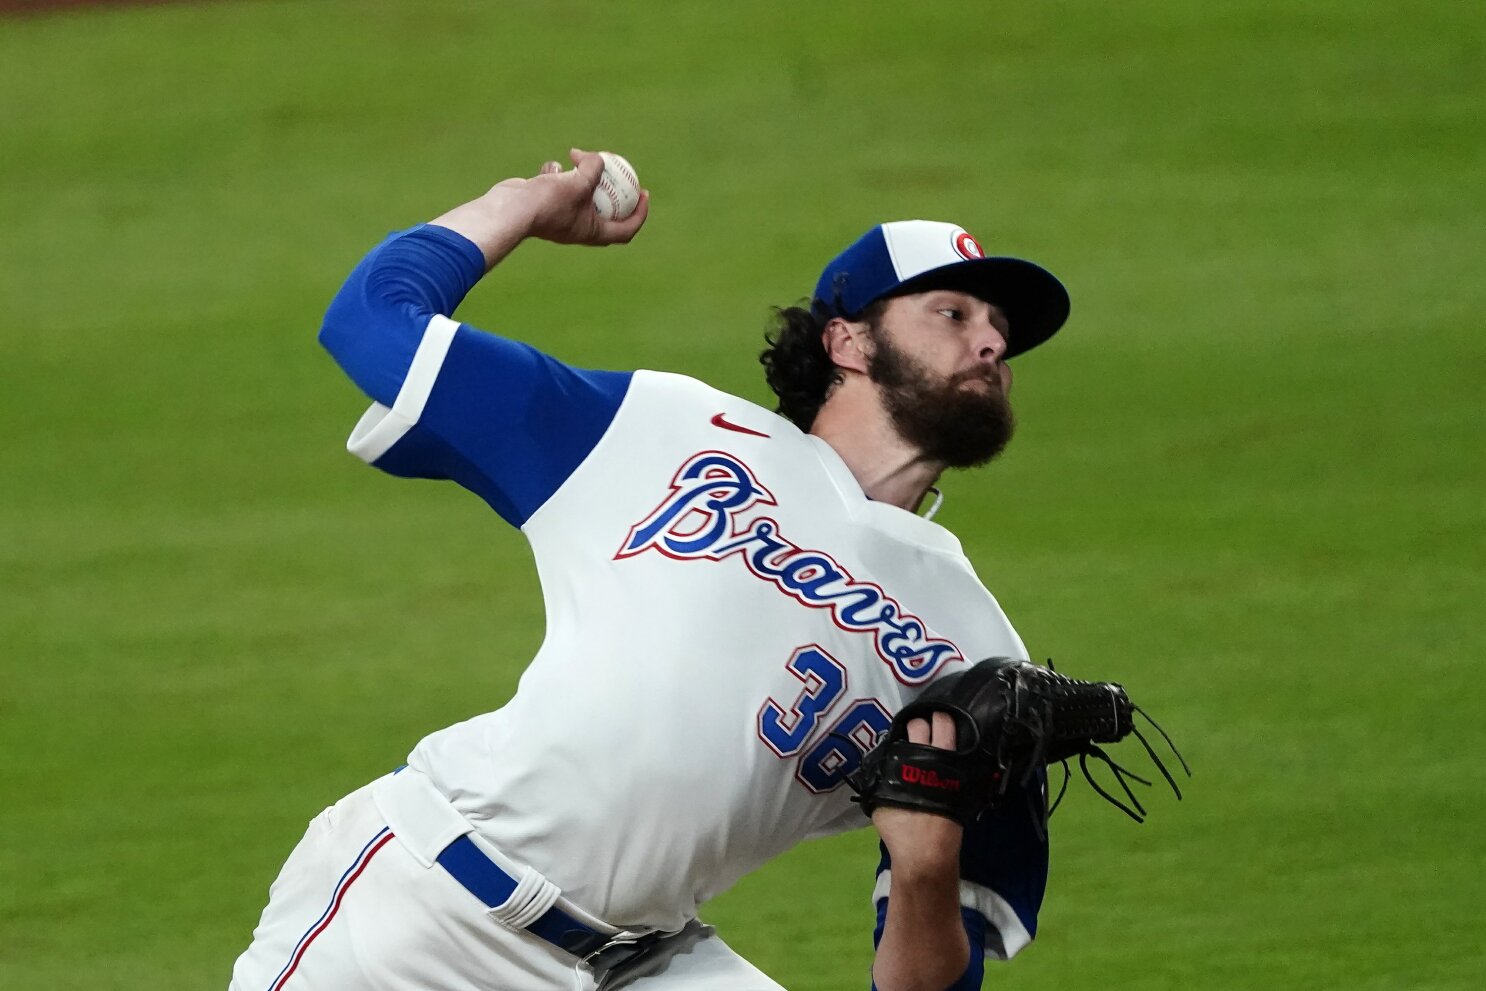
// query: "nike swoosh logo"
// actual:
[[718, 421]]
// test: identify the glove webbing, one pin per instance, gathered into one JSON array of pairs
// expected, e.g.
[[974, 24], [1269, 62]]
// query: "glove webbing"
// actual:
[[1123, 775], [1090, 713]]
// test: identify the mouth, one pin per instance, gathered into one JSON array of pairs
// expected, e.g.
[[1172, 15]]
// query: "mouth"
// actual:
[[991, 381]]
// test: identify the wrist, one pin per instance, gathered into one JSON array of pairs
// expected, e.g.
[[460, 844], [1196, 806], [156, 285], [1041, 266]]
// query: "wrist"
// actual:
[[513, 206], [922, 845], [496, 221]]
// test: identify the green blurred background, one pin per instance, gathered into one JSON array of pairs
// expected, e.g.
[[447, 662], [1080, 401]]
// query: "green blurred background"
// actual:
[[1249, 480]]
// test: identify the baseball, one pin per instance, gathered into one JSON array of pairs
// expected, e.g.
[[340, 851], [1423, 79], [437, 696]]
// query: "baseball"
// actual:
[[618, 191]]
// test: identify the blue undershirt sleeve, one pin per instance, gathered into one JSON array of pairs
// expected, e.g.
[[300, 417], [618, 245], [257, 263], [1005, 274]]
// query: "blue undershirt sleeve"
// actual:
[[497, 416], [1005, 853]]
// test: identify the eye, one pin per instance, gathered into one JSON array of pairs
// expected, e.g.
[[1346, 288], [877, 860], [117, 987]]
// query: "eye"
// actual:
[[952, 313]]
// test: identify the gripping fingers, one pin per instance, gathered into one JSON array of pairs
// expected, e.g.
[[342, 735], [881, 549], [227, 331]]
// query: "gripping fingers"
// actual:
[[943, 734], [622, 231], [937, 731], [564, 209], [588, 164]]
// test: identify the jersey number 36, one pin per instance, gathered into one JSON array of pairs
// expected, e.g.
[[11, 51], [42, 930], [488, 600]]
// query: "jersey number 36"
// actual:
[[838, 750]]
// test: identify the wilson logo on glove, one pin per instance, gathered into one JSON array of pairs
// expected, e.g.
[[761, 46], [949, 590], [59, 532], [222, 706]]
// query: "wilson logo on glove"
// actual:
[[927, 777]]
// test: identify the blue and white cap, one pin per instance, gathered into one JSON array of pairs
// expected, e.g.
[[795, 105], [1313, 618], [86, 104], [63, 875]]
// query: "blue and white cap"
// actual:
[[908, 256]]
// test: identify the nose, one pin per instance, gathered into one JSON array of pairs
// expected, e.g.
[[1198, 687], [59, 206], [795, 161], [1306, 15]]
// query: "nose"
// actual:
[[990, 343]]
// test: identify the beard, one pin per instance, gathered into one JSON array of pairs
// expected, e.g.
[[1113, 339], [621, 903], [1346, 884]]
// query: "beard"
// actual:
[[958, 426]]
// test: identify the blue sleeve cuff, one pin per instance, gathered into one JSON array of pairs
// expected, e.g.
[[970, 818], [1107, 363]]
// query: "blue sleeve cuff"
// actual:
[[429, 267]]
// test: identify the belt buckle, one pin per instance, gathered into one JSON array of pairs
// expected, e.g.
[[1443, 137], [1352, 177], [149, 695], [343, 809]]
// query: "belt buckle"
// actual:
[[582, 943], [619, 951]]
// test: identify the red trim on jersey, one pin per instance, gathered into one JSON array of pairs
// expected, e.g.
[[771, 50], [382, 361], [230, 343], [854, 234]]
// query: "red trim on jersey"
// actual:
[[346, 881]]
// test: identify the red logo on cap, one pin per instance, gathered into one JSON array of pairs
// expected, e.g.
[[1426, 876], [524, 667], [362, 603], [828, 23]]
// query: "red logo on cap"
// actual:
[[967, 247]]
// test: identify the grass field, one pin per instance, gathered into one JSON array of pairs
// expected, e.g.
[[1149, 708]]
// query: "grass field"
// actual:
[[1250, 480]]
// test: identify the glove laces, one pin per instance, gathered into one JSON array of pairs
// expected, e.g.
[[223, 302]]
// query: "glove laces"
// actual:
[[1123, 775]]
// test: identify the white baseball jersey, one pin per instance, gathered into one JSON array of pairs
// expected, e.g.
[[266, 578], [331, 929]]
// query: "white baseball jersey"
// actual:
[[730, 620]]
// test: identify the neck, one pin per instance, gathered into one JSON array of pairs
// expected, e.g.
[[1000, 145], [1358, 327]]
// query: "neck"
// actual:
[[887, 468]]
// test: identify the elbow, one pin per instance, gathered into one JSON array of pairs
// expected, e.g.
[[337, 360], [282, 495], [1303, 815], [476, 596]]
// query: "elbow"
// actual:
[[357, 313], [368, 312], [372, 340], [360, 324], [338, 329]]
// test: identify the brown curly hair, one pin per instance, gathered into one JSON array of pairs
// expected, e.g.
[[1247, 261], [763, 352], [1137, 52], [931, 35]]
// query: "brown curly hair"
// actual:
[[795, 362]]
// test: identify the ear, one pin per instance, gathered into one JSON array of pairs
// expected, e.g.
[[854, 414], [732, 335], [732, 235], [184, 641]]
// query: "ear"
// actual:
[[847, 344]]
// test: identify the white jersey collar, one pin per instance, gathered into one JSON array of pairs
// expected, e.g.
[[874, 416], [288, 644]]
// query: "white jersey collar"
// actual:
[[892, 520]]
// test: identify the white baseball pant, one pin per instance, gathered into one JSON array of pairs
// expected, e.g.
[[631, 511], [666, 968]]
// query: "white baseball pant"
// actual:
[[354, 908]]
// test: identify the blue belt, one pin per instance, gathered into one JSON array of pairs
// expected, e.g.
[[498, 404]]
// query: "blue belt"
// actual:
[[493, 886]]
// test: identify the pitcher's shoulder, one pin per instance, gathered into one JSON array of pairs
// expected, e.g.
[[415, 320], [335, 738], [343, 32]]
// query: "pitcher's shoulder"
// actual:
[[683, 401]]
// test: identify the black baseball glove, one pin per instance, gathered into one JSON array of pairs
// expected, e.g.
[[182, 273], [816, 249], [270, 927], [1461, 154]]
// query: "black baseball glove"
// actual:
[[1012, 718]]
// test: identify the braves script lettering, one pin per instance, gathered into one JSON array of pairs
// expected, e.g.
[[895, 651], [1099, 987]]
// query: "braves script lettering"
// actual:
[[702, 518]]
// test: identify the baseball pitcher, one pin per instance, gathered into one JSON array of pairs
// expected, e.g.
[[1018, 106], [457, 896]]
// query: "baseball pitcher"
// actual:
[[739, 602]]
